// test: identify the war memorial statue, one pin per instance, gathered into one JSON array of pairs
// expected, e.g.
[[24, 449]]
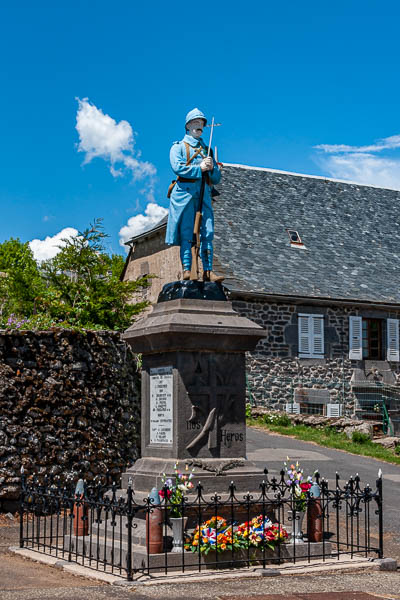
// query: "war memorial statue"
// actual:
[[193, 345], [190, 210]]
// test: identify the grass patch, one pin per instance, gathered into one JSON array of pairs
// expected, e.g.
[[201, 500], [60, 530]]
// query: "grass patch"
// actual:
[[330, 438]]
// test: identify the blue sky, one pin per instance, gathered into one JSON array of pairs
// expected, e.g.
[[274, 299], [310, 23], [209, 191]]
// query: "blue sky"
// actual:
[[310, 87]]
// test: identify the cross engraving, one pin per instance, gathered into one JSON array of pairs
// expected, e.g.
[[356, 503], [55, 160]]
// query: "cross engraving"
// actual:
[[213, 399]]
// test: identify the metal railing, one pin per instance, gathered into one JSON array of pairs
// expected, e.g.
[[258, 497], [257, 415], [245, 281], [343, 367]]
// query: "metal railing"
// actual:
[[108, 529]]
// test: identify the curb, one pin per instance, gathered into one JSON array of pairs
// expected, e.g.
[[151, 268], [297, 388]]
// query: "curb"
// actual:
[[355, 564]]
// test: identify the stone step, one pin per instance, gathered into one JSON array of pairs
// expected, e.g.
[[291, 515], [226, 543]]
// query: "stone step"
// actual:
[[178, 561], [139, 531]]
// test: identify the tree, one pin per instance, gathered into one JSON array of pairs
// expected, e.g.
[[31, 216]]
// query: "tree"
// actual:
[[20, 283], [79, 287]]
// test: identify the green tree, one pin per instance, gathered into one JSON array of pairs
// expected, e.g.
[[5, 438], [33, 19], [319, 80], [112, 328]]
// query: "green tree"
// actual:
[[79, 287], [20, 282], [84, 287]]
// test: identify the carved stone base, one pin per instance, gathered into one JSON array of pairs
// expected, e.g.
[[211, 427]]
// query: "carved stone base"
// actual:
[[214, 474], [194, 393], [193, 290]]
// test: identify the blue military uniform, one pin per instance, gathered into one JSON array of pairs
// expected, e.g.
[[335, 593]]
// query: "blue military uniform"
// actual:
[[185, 198]]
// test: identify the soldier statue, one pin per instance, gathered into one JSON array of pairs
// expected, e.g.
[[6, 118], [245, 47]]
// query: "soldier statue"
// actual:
[[190, 163]]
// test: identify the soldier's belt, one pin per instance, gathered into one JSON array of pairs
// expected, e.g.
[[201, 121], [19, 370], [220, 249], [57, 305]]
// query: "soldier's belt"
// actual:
[[184, 180]]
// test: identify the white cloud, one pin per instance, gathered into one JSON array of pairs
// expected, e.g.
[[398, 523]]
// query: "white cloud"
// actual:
[[100, 136], [48, 248], [139, 223], [359, 163], [388, 143]]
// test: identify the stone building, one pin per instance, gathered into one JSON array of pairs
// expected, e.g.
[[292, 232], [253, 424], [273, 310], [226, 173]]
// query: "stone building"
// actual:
[[315, 261]]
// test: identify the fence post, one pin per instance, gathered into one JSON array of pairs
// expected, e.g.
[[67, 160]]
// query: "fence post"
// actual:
[[129, 526], [380, 512], [21, 510]]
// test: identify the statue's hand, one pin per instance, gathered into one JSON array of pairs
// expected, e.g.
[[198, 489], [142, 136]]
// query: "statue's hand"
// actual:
[[207, 164]]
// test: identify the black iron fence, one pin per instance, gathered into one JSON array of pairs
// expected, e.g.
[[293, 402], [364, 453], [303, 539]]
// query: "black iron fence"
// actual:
[[109, 529]]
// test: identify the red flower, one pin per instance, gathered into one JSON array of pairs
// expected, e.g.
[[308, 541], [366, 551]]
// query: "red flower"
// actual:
[[305, 487], [169, 493]]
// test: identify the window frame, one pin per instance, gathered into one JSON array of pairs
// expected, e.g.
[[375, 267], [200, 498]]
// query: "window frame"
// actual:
[[389, 338], [381, 345]]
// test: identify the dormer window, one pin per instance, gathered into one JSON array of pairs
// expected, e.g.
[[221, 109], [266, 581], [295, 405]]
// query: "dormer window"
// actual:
[[293, 236], [295, 239]]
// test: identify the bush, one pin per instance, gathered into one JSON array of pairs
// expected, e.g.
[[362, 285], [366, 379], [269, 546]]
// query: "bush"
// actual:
[[279, 420], [397, 450], [248, 410], [360, 438]]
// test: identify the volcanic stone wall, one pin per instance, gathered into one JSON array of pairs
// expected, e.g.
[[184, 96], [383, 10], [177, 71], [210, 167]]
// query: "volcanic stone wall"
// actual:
[[69, 404], [275, 371]]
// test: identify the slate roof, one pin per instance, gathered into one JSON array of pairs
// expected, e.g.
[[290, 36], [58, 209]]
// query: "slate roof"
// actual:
[[160, 225], [351, 233]]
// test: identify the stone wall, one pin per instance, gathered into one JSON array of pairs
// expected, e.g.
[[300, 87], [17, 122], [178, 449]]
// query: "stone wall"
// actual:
[[274, 370], [69, 403]]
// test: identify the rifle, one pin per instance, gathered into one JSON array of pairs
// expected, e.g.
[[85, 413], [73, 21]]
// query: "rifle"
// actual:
[[194, 273]]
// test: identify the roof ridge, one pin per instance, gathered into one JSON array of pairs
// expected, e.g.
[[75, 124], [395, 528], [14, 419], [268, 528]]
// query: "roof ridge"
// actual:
[[251, 168]]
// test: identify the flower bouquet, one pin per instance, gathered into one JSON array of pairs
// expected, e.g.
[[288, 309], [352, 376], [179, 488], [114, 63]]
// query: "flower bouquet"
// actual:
[[216, 534], [173, 492], [259, 533], [299, 485]]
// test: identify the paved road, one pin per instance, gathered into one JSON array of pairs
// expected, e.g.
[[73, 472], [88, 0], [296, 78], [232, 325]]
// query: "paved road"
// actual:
[[270, 450]]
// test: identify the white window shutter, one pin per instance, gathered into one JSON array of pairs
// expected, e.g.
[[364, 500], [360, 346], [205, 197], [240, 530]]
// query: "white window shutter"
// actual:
[[355, 343], [305, 335], [334, 410], [318, 336], [311, 336], [392, 340]]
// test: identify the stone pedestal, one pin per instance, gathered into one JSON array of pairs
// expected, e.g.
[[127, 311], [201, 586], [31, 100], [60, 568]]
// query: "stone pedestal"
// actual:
[[193, 394]]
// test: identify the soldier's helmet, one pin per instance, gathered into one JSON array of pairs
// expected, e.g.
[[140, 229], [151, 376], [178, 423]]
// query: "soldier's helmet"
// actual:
[[195, 114]]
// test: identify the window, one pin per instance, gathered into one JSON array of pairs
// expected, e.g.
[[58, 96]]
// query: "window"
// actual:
[[311, 409], [311, 336], [367, 339], [295, 239], [372, 339], [294, 236]]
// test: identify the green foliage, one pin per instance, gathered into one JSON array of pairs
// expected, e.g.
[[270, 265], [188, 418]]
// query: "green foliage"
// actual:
[[79, 288], [360, 438], [20, 280], [397, 450], [279, 420], [248, 410]]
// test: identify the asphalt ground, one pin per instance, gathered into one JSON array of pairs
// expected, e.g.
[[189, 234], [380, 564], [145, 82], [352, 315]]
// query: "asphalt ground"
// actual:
[[21, 579]]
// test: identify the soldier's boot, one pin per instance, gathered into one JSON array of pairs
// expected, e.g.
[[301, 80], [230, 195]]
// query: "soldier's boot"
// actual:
[[211, 276], [186, 275]]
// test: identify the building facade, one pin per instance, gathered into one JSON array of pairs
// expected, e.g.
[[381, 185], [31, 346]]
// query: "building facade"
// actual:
[[315, 262]]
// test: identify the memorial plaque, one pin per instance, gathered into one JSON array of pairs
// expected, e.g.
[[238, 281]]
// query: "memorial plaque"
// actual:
[[161, 407]]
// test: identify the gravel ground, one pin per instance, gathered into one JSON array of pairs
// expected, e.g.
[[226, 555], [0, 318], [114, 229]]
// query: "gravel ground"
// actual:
[[383, 585]]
